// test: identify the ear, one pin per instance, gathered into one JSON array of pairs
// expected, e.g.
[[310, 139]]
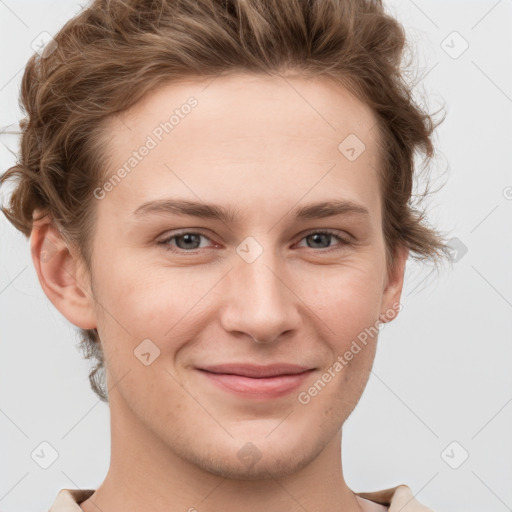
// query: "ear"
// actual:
[[394, 283], [61, 276]]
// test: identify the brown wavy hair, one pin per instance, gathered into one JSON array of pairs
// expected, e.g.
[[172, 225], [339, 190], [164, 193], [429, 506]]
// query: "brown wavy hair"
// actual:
[[114, 52]]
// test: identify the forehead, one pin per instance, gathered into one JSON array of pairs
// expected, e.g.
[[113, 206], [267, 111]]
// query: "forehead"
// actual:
[[243, 135], [262, 105]]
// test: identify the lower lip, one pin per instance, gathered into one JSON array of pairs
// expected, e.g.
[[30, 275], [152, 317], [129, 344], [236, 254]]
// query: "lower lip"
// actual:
[[265, 387]]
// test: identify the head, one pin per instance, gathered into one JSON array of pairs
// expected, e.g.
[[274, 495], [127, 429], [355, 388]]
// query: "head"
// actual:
[[273, 113]]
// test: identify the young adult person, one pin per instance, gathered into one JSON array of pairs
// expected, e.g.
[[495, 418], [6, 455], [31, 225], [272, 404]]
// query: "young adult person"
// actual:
[[217, 194]]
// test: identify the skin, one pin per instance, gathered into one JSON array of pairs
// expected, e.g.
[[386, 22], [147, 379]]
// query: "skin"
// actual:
[[261, 146]]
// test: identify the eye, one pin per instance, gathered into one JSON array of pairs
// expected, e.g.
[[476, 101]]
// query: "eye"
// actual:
[[319, 239], [186, 241]]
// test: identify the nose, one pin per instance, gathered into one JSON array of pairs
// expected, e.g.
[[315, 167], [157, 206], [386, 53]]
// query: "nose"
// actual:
[[259, 302]]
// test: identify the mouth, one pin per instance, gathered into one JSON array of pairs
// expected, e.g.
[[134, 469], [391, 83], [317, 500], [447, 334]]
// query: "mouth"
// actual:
[[252, 381]]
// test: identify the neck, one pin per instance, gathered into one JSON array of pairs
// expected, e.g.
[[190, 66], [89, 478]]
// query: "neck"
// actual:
[[145, 474]]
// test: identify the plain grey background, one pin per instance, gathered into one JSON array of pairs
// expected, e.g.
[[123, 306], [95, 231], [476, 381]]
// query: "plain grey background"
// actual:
[[437, 412]]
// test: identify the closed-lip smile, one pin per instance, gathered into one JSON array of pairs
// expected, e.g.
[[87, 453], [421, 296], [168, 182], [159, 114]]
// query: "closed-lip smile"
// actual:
[[257, 381]]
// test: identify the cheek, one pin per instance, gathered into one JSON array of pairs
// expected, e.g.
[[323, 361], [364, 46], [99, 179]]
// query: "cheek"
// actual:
[[161, 305], [141, 298], [349, 317], [347, 299], [347, 307]]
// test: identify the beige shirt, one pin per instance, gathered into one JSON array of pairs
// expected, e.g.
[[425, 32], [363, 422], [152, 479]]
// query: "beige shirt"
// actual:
[[396, 499]]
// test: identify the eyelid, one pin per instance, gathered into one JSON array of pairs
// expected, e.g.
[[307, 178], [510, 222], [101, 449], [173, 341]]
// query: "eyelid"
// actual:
[[343, 235]]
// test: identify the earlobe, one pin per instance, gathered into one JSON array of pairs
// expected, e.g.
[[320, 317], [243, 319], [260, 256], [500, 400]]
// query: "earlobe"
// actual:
[[393, 290], [58, 273]]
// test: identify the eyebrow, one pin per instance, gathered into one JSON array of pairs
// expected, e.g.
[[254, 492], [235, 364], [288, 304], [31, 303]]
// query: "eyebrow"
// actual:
[[227, 215]]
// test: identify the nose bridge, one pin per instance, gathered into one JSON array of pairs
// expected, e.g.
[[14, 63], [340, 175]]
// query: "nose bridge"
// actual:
[[259, 301]]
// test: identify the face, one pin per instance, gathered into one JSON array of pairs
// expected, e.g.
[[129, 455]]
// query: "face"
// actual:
[[274, 280]]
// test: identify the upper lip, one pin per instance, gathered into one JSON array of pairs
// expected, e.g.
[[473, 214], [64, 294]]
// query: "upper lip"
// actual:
[[252, 370]]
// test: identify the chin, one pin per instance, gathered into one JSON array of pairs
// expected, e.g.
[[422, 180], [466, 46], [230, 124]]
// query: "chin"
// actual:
[[261, 459], [269, 466]]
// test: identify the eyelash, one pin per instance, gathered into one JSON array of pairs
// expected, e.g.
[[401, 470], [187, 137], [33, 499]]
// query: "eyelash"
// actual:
[[345, 242]]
